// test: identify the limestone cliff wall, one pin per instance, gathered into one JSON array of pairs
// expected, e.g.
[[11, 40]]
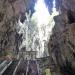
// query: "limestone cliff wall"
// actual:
[[62, 41], [10, 11]]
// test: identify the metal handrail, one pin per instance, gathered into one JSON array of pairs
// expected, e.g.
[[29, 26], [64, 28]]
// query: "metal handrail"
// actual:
[[4, 66], [27, 67], [17, 67]]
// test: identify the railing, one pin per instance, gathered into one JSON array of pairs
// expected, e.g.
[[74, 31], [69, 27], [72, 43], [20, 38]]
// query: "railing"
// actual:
[[4, 65], [17, 67], [38, 67], [27, 67]]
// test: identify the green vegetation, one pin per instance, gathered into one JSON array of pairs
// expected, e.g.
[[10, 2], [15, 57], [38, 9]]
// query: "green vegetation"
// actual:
[[47, 71]]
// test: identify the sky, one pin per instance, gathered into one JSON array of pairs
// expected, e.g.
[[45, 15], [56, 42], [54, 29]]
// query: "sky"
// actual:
[[41, 12]]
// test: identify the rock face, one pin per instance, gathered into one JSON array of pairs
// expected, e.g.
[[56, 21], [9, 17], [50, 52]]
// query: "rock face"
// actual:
[[62, 42], [10, 11]]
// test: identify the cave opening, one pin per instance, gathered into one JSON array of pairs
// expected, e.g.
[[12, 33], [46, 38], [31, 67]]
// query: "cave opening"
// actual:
[[43, 24]]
